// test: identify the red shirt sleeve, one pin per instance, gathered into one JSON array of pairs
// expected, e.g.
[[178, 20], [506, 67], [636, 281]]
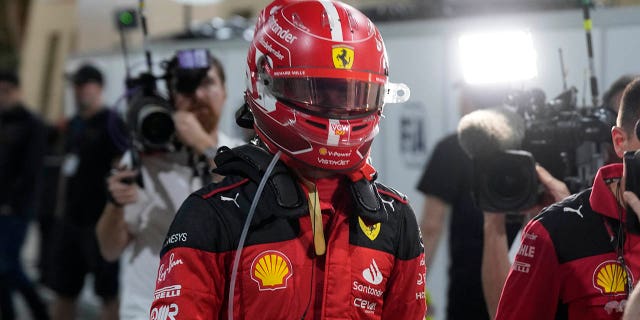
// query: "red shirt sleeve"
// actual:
[[185, 286], [532, 289], [191, 281]]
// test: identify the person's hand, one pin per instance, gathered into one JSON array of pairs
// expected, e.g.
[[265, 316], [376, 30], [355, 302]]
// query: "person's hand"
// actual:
[[554, 191], [123, 193], [632, 201], [191, 132], [555, 188]]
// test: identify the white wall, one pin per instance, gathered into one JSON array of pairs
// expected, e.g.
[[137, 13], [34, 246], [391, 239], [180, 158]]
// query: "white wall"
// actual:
[[423, 55]]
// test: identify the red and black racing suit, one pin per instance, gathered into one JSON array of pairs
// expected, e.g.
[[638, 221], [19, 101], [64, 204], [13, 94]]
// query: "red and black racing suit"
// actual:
[[567, 266], [371, 270]]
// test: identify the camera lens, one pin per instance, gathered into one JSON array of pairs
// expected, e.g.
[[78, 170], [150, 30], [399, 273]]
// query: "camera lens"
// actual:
[[156, 125], [507, 181]]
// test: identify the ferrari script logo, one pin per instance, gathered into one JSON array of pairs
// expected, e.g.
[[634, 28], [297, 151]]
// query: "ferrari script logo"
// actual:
[[342, 57], [371, 231]]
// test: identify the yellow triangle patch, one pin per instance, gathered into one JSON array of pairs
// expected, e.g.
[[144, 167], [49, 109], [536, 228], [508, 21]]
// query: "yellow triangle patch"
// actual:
[[371, 231]]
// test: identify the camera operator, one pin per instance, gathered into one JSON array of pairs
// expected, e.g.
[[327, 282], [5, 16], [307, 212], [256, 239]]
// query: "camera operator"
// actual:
[[495, 252], [138, 218], [577, 259], [446, 185]]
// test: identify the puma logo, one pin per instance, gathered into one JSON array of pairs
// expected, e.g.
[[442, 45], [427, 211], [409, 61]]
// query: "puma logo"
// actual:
[[234, 200], [576, 211], [390, 203]]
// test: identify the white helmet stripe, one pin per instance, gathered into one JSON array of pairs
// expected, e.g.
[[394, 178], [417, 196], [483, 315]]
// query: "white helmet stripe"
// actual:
[[334, 20]]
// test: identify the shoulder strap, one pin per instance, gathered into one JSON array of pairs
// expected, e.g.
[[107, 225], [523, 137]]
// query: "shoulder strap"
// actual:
[[251, 161]]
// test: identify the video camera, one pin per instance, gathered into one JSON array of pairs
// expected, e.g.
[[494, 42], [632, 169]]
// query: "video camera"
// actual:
[[564, 139], [149, 113]]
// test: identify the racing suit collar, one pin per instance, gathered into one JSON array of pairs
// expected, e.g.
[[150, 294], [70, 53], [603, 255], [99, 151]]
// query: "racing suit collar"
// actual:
[[327, 189], [602, 200]]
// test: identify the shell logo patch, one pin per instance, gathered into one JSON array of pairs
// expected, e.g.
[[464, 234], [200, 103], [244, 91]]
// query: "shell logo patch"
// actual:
[[271, 270], [322, 151], [610, 277], [371, 231], [342, 57]]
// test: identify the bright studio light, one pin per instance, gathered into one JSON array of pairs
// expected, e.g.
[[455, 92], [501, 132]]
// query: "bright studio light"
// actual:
[[497, 57]]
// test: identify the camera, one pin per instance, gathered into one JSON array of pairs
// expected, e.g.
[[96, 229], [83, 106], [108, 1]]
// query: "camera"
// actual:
[[564, 139], [149, 113]]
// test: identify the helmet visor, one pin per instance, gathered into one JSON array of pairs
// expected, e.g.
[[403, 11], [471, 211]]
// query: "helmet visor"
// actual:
[[337, 98]]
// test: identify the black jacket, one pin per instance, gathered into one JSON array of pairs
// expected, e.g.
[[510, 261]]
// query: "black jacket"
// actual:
[[22, 146]]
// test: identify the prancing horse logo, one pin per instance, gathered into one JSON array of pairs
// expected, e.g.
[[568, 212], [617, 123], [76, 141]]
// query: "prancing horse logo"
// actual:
[[342, 57]]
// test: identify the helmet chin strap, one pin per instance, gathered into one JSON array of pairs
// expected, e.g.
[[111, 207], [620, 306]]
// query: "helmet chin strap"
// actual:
[[366, 171]]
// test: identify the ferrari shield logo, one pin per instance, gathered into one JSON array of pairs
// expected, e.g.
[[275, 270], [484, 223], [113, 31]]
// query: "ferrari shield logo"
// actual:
[[371, 231], [342, 57]]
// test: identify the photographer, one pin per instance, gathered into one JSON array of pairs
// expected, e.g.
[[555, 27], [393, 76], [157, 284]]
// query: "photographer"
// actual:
[[576, 260], [137, 217]]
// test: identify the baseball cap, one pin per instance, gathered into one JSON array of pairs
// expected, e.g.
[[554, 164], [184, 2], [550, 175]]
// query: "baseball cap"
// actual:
[[86, 74]]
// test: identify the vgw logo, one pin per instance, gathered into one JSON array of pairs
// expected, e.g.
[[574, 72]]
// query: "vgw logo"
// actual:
[[339, 129]]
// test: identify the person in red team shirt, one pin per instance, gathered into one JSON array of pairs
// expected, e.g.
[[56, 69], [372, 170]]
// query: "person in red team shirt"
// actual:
[[326, 241], [580, 258]]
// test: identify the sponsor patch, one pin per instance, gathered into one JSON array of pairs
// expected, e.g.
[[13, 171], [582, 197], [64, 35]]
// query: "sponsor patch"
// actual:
[[366, 305], [176, 237], [164, 271], [357, 286], [282, 33], [610, 278], [271, 270], [615, 306], [527, 250], [371, 231], [372, 274], [521, 267], [167, 292], [165, 312]]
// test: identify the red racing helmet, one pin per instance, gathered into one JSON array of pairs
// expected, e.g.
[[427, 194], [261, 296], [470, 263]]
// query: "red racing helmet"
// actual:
[[317, 81]]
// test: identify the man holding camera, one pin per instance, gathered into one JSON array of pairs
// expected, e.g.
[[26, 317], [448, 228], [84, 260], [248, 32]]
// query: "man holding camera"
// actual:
[[138, 216], [312, 236], [579, 257]]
